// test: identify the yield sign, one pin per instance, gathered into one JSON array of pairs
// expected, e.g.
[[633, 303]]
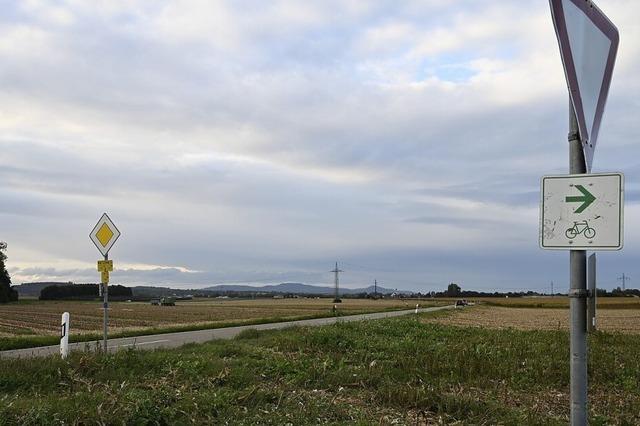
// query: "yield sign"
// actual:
[[588, 45], [104, 234]]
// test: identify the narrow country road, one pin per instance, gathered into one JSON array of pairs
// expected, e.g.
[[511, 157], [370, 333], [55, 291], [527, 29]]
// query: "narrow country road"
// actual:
[[172, 340]]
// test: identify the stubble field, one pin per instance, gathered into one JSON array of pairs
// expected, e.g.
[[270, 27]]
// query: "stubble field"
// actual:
[[498, 317], [555, 302], [614, 314]]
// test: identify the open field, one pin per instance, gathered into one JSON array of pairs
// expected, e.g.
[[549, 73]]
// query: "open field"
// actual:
[[556, 302], [377, 372], [42, 318], [500, 317], [36, 323]]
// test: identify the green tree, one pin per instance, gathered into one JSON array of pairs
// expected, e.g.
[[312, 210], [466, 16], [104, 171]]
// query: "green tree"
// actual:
[[453, 290], [7, 294]]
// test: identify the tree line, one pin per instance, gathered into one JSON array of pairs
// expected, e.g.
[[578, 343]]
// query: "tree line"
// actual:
[[7, 294], [454, 290], [81, 291]]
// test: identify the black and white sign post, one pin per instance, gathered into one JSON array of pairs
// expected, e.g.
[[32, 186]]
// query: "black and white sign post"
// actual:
[[588, 45], [64, 336]]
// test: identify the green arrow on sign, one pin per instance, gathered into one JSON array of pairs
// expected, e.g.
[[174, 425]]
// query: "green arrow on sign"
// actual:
[[586, 199]]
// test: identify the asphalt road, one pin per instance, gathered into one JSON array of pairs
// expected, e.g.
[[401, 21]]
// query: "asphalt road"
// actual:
[[172, 340]]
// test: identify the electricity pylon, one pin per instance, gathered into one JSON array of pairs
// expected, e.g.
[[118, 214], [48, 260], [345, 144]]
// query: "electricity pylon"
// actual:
[[337, 271], [624, 278]]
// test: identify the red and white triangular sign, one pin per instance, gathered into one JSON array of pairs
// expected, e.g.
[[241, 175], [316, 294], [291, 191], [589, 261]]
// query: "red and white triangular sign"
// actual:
[[588, 46]]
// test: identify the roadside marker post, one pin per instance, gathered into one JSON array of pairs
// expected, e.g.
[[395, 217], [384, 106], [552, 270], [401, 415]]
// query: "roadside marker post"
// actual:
[[588, 43], [64, 336], [104, 236]]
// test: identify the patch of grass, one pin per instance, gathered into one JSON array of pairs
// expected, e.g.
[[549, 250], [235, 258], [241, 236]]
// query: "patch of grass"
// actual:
[[19, 342], [370, 372]]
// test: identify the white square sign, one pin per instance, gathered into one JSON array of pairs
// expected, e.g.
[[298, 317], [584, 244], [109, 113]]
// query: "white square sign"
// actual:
[[582, 212]]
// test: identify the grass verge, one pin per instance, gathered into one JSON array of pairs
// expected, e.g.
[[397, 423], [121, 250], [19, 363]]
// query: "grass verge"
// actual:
[[391, 371]]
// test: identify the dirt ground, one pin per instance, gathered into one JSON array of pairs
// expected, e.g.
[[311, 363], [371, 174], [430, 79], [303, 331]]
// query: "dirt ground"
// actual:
[[608, 320]]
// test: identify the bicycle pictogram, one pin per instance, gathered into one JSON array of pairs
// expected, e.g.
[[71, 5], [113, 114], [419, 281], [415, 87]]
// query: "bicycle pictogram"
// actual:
[[580, 227]]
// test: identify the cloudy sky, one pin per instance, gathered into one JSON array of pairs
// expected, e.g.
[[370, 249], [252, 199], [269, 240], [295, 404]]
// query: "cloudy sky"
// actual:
[[259, 142]]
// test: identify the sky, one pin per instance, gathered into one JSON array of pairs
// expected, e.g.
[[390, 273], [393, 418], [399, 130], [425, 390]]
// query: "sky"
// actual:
[[260, 142]]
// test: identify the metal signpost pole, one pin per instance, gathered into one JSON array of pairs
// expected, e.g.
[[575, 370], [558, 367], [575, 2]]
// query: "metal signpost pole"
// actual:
[[592, 285], [588, 43], [577, 295], [105, 305]]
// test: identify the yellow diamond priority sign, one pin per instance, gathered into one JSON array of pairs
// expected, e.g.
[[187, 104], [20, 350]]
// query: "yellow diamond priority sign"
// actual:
[[104, 234]]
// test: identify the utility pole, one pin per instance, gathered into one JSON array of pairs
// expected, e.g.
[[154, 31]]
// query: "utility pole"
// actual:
[[551, 288], [577, 294], [624, 278], [337, 271], [375, 288]]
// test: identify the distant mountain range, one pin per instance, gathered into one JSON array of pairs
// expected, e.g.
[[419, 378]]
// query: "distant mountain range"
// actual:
[[33, 289], [298, 288]]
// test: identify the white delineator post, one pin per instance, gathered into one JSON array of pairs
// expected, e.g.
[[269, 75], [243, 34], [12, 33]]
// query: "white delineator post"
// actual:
[[417, 305], [64, 336]]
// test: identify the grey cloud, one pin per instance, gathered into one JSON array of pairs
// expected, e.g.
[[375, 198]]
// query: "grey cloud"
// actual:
[[112, 107], [463, 222]]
